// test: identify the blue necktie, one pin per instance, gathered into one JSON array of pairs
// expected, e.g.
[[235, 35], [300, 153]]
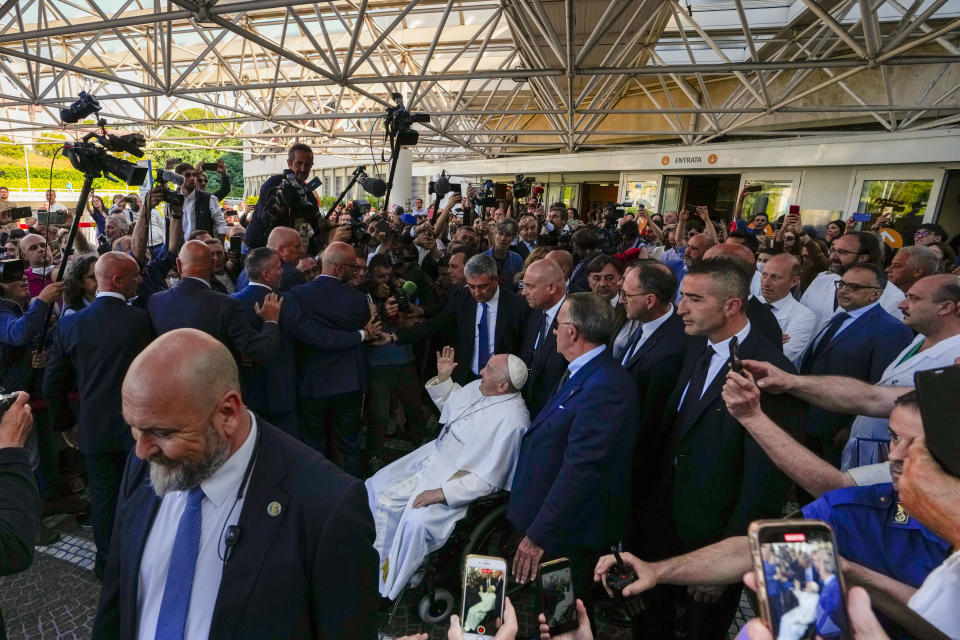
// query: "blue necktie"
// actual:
[[827, 336], [483, 339], [172, 622], [632, 343]]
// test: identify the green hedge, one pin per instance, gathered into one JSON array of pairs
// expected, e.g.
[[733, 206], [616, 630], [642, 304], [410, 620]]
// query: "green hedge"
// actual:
[[15, 177]]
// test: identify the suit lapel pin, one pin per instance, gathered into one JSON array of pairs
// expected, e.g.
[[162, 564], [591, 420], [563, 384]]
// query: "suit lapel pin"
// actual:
[[274, 509]]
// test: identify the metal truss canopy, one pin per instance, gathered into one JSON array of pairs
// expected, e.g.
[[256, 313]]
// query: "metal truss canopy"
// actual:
[[497, 76]]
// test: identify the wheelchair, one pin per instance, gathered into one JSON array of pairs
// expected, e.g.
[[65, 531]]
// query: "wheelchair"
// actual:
[[485, 531]]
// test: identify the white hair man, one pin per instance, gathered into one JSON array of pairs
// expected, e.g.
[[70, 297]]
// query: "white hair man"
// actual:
[[417, 500]]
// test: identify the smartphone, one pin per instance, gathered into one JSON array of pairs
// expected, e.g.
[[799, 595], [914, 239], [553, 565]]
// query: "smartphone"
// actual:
[[862, 217], [735, 363], [936, 389], [209, 166], [794, 210], [484, 590], [557, 600], [171, 163], [800, 586], [236, 243]]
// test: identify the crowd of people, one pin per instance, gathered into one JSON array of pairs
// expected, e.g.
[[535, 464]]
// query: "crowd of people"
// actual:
[[231, 403]]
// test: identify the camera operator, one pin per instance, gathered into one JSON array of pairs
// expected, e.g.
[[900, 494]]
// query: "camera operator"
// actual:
[[299, 162], [221, 169], [201, 210], [19, 500]]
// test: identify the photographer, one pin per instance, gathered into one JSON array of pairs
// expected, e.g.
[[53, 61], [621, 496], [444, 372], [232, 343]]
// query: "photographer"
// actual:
[[19, 500], [265, 217], [200, 209]]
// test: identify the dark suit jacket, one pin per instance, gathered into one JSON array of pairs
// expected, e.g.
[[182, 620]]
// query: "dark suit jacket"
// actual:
[[571, 486], [191, 304], [313, 567], [460, 315], [579, 278], [765, 322], [273, 387], [332, 305], [862, 350], [98, 362], [18, 330], [721, 478], [291, 277], [545, 366], [520, 249]]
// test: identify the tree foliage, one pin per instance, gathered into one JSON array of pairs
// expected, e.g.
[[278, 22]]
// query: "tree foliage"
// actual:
[[194, 156]]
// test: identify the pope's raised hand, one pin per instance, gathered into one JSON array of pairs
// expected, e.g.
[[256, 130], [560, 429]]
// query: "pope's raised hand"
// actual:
[[446, 363]]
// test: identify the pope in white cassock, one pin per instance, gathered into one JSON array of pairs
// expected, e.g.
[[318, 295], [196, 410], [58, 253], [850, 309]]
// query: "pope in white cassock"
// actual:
[[417, 500]]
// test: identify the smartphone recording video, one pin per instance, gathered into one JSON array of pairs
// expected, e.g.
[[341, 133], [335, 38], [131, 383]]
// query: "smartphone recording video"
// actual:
[[557, 600], [484, 588], [800, 586]]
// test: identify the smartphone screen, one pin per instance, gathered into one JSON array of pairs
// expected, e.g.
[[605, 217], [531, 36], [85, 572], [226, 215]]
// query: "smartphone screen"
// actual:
[[484, 588], [936, 389], [801, 588], [557, 600]]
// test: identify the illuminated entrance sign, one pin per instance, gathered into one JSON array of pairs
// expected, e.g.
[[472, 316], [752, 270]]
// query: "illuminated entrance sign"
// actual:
[[689, 160]]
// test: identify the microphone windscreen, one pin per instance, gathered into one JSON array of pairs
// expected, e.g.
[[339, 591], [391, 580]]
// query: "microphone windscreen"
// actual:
[[410, 288], [374, 186]]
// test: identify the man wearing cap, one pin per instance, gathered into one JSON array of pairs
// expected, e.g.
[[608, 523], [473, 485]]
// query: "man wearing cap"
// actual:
[[417, 500]]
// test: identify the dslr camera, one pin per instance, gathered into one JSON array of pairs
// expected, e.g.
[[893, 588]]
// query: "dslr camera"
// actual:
[[292, 196], [357, 209], [170, 197], [443, 184]]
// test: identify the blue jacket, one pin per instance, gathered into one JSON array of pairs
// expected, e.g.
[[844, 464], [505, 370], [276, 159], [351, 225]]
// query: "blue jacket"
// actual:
[[571, 484], [862, 351], [291, 277], [192, 304], [273, 387], [308, 560], [513, 264], [332, 304], [18, 330], [98, 363]]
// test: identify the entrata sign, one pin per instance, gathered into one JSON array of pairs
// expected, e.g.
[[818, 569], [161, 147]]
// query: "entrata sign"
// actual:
[[689, 160]]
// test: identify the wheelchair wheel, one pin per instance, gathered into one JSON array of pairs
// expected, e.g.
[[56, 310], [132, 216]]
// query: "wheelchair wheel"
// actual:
[[437, 609]]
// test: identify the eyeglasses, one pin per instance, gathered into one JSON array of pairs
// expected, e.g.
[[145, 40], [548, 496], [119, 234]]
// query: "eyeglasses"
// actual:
[[844, 252], [624, 294], [922, 234], [851, 287]]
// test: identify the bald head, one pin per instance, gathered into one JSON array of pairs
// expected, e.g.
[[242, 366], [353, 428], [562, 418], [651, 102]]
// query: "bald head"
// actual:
[[185, 367], [117, 272], [339, 260], [780, 274], [195, 373], [195, 260], [545, 271], [736, 252], [563, 259], [286, 243]]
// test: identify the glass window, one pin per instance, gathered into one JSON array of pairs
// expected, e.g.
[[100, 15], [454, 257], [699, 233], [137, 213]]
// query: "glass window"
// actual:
[[905, 201], [772, 197], [565, 193], [645, 192], [670, 194]]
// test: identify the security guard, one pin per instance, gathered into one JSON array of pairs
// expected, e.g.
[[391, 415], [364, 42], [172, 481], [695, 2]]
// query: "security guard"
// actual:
[[874, 530]]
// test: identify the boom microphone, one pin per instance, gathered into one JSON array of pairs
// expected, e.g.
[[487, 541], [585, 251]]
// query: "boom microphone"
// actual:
[[374, 186]]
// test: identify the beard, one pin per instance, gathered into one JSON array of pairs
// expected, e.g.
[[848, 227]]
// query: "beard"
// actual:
[[168, 475]]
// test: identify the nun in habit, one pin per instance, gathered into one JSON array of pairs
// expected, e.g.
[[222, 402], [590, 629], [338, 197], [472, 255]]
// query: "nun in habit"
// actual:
[[417, 500]]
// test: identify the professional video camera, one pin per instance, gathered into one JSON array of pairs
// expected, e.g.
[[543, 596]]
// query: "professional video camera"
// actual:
[[399, 123], [358, 233], [521, 186], [92, 157], [485, 196], [444, 184], [170, 197]]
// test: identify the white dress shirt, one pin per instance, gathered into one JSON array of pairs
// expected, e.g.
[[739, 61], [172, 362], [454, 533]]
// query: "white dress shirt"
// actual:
[[820, 295], [795, 321], [110, 294], [721, 353], [218, 511], [755, 284], [190, 216], [551, 316], [936, 599], [646, 331], [492, 304]]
